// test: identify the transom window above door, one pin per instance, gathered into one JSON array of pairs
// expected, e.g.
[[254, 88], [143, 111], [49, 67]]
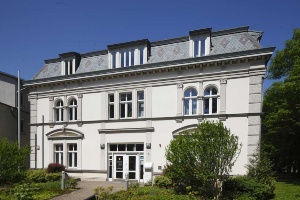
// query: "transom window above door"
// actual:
[[126, 147]]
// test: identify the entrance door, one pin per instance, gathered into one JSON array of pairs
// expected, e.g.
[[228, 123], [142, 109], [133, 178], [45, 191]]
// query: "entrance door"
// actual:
[[126, 164]]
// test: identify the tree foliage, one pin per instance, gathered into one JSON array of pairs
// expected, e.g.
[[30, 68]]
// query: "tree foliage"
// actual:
[[285, 59], [203, 158], [281, 107], [12, 160]]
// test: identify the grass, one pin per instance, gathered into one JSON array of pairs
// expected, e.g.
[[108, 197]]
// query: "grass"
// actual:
[[287, 188]]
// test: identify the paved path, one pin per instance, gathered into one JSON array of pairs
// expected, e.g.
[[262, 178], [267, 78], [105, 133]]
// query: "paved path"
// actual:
[[87, 187]]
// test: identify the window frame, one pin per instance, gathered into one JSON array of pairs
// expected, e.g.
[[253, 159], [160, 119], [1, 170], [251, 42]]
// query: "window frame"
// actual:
[[111, 105], [73, 109], [60, 153], [140, 102], [59, 110], [74, 155], [126, 104], [210, 99], [202, 42], [126, 57], [190, 99]]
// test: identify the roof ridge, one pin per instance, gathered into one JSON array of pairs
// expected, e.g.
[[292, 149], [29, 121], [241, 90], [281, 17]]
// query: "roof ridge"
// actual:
[[230, 31]]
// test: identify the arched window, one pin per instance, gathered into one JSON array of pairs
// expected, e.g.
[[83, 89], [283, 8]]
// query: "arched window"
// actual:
[[73, 110], [59, 108], [210, 100], [190, 102]]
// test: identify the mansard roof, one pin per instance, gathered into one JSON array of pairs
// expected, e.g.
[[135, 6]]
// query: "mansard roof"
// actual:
[[175, 49]]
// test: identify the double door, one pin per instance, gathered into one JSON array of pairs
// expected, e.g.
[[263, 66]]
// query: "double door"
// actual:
[[127, 164]]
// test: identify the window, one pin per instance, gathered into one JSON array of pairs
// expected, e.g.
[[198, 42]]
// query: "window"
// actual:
[[190, 102], [59, 114], [72, 155], [58, 153], [210, 100], [140, 104], [126, 147], [69, 67], [73, 110], [199, 47], [114, 59], [111, 106], [127, 57], [126, 105], [141, 55]]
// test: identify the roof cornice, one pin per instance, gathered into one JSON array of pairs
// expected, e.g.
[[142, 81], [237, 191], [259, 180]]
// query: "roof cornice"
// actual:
[[263, 54]]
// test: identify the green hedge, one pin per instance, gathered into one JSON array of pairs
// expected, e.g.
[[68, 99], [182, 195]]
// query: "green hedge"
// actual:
[[244, 187], [41, 176], [149, 192], [163, 182]]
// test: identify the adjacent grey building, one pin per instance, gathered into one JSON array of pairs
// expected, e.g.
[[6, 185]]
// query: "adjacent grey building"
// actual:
[[9, 109]]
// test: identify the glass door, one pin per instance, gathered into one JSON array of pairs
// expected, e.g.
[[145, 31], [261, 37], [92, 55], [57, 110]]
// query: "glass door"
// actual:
[[126, 164], [119, 166]]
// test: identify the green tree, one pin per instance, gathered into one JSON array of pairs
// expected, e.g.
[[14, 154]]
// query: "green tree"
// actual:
[[281, 107], [285, 59], [203, 158], [12, 160]]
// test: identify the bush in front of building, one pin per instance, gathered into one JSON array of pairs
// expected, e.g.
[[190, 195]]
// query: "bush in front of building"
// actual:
[[163, 182], [149, 192], [41, 176], [202, 160], [12, 161], [245, 186], [55, 167]]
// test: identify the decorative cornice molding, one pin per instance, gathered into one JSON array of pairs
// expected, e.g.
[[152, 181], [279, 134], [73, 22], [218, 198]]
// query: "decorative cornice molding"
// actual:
[[157, 118]]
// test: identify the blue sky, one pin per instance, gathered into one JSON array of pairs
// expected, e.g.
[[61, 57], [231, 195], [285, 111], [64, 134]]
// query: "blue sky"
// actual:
[[34, 30]]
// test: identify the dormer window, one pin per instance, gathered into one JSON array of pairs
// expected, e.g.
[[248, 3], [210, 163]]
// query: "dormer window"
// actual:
[[128, 54], [70, 62], [200, 42]]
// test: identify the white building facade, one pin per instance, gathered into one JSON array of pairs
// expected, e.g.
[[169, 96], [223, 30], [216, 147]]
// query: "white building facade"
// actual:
[[113, 112]]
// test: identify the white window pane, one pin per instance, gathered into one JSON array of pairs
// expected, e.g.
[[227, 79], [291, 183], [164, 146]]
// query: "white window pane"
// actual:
[[214, 91], [122, 110], [129, 110], [129, 97], [141, 56], [194, 109], [186, 107], [202, 47], [214, 105], [141, 109], [196, 48], [206, 106], [187, 93], [140, 95]]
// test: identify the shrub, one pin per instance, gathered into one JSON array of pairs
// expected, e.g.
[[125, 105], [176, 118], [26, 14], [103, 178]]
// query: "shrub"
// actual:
[[40, 176], [55, 167], [149, 192], [241, 187], [103, 193], [12, 161], [24, 191], [53, 176], [162, 182], [36, 175], [203, 159], [72, 183]]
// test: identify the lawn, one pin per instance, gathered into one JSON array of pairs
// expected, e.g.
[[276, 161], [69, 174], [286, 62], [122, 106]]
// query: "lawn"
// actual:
[[287, 189]]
